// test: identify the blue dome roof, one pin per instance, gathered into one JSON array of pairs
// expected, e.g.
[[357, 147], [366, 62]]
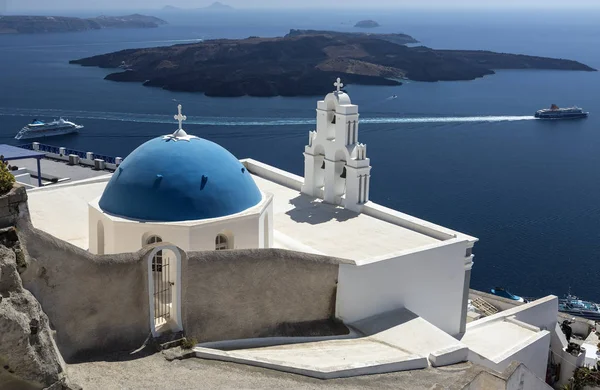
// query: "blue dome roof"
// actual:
[[170, 180]]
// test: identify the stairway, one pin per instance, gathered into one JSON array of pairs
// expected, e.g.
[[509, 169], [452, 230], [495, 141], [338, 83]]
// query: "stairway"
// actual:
[[484, 307]]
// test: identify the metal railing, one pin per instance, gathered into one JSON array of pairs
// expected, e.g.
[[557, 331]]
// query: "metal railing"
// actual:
[[67, 152]]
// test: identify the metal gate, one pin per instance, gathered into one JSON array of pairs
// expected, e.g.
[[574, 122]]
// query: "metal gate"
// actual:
[[161, 274]]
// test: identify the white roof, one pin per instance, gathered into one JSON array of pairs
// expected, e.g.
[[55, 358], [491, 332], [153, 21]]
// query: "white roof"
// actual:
[[498, 339], [333, 230], [300, 222]]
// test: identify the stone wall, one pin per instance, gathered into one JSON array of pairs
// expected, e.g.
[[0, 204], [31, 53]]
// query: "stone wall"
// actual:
[[95, 304], [259, 293], [9, 205]]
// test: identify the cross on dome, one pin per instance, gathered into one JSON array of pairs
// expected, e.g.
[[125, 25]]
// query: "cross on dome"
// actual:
[[338, 84], [180, 117], [179, 134]]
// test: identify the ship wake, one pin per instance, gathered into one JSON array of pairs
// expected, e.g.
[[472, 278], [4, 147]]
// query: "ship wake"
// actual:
[[241, 121]]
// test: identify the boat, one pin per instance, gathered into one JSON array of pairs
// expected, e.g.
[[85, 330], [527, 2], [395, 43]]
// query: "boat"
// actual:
[[554, 112], [501, 292], [40, 129], [572, 305]]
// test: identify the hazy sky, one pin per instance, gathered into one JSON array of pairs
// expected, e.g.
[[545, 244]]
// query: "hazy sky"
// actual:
[[14, 5]]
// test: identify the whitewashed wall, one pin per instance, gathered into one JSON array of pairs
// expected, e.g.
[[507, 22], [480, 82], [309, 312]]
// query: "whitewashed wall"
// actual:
[[542, 314], [244, 231], [429, 282], [524, 379]]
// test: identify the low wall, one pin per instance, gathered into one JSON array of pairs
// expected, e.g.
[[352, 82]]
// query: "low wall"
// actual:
[[95, 304], [258, 293], [99, 304]]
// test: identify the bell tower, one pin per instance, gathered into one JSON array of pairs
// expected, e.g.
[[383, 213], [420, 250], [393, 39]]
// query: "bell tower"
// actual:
[[336, 167]]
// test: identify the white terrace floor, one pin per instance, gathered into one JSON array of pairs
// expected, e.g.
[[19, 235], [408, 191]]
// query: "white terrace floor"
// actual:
[[300, 222], [393, 341]]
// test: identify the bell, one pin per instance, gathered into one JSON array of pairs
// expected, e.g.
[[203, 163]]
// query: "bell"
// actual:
[[333, 121], [343, 175], [323, 166]]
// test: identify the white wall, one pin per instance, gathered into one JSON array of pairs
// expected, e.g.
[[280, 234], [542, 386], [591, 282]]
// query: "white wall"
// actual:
[[534, 354], [244, 231], [542, 314], [429, 282], [524, 379]]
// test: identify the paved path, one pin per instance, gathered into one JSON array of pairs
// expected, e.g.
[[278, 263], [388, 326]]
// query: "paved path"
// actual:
[[155, 372]]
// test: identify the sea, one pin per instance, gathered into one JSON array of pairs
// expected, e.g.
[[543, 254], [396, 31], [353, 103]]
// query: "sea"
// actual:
[[466, 155]]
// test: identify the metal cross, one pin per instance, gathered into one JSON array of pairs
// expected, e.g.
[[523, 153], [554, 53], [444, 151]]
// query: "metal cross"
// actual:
[[179, 117], [338, 84]]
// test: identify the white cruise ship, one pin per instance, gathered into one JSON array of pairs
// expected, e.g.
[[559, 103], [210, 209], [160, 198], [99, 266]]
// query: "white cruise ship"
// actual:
[[40, 129], [554, 112]]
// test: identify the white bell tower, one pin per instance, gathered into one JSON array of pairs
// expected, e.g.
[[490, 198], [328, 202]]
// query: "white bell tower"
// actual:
[[336, 167]]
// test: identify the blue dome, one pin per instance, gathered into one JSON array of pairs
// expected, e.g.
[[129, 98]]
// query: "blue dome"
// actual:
[[169, 180]]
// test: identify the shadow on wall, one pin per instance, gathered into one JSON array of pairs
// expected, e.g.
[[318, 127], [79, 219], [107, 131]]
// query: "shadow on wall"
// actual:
[[99, 304], [308, 210], [259, 293]]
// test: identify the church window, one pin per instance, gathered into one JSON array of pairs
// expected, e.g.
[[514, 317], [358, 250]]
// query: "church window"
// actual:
[[157, 261], [221, 242]]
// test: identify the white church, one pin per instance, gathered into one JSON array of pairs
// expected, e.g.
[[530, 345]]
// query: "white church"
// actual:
[[400, 284]]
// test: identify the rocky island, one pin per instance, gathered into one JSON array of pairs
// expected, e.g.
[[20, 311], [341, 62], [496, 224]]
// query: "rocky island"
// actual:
[[305, 63], [53, 24], [367, 24]]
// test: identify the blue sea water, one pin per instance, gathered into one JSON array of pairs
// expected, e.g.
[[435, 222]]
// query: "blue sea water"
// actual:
[[466, 155]]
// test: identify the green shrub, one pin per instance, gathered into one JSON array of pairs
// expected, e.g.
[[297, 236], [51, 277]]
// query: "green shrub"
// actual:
[[188, 343], [6, 178]]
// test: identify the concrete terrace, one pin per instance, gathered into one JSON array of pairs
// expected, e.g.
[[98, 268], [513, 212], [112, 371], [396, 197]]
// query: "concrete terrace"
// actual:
[[393, 341], [60, 169]]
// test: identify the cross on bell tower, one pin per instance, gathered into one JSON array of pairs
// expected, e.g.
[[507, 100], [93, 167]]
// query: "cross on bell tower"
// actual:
[[338, 84]]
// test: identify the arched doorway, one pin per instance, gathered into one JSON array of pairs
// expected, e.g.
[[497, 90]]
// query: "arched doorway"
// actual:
[[164, 282], [100, 238]]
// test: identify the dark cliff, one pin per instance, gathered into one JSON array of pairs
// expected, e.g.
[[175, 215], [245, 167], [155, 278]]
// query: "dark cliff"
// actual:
[[305, 64]]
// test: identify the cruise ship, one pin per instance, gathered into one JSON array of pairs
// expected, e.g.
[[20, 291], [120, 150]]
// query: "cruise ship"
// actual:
[[554, 112], [39, 129], [580, 308]]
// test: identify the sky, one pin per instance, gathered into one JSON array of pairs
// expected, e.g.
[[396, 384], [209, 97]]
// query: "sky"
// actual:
[[32, 5]]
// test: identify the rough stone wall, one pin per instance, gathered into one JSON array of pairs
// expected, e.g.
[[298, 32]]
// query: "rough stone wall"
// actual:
[[259, 293], [29, 358], [9, 205], [95, 303]]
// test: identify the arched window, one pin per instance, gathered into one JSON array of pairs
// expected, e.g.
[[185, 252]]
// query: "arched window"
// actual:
[[221, 242], [157, 261]]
